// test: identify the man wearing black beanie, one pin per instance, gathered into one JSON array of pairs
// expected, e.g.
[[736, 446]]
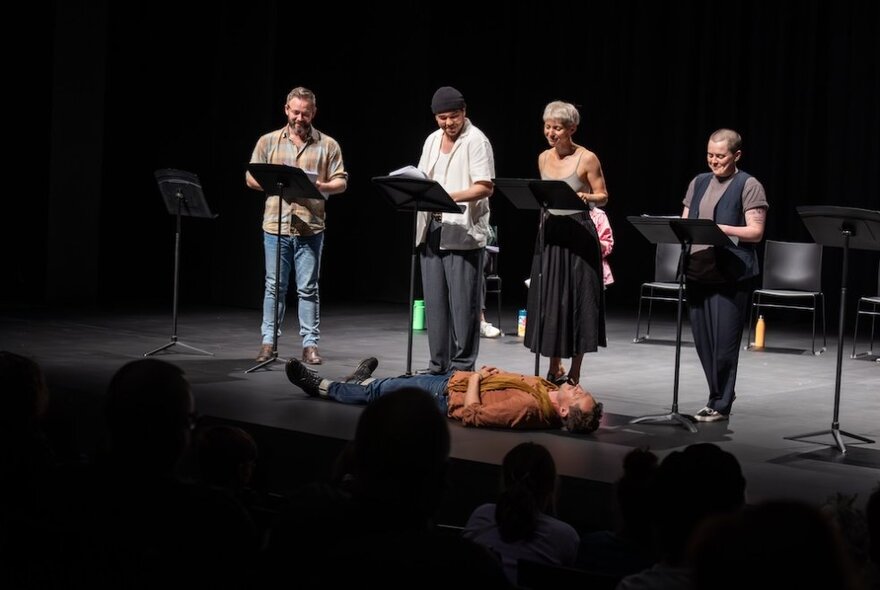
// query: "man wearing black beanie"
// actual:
[[452, 245]]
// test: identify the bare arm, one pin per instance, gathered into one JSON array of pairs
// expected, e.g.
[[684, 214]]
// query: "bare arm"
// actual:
[[252, 182], [332, 187], [472, 396], [591, 169], [478, 190], [753, 230]]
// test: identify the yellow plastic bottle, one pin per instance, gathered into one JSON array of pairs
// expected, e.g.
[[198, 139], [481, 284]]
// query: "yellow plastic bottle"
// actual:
[[759, 332]]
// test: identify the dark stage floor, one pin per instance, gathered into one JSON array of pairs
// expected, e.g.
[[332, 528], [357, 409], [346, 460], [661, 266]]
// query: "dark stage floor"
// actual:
[[783, 392]]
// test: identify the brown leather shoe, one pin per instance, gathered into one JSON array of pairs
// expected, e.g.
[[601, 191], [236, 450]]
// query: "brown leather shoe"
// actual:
[[310, 356], [265, 353]]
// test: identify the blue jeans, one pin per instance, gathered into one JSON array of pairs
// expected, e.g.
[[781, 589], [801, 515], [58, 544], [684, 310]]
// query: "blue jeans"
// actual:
[[355, 393], [303, 253]]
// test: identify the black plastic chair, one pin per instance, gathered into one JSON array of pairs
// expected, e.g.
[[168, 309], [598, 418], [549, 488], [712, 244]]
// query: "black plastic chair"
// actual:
[[491, 276], [664, 287], [792, 273], [869, 306]]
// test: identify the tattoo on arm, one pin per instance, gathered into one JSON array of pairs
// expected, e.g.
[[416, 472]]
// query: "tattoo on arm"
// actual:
[[756, 216]]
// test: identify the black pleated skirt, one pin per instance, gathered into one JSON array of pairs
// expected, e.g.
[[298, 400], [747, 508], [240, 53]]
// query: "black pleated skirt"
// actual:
[[572, 294]]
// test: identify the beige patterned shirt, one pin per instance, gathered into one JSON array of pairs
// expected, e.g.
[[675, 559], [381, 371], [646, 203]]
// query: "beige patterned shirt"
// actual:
[[321, 155]]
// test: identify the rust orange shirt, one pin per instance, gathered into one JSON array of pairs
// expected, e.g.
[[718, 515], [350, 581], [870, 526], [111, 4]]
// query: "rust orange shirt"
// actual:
[[508, 400]]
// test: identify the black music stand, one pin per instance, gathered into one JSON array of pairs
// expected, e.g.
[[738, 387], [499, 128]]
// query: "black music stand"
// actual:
[[841, 227], [687, 232], [543, 195], [182, 193], [290, 183], [406, 193]]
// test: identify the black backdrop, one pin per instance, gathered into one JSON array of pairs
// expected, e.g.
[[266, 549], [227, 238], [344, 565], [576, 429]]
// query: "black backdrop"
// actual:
[[137, 86]]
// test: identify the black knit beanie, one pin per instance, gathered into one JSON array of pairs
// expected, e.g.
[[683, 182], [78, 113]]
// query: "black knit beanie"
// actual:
[[447, 99]]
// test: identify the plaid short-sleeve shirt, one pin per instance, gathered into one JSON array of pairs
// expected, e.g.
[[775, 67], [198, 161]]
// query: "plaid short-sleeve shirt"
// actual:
[[322, 155]]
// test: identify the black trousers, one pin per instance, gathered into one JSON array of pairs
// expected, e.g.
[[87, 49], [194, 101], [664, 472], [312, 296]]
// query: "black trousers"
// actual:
[[718, 313], [451, 281]]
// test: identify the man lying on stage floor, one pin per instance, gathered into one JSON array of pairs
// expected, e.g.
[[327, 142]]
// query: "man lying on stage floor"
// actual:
[[488, 397]]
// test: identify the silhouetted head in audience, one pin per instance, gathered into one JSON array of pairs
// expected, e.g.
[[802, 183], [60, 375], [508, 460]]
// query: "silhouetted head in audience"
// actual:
[[150, 413], [691, 485], [401, 451], [633, 492], [850, 525], [226, 456], [775, 545], [24, 396], [528, 488]]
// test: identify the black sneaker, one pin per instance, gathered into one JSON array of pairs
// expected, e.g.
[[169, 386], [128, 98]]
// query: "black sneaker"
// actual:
[[559, 379], [363, 372], [707, 414], [302, 377]]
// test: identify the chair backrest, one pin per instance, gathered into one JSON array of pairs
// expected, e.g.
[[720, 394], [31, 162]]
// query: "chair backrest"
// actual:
[[666, 263], [793, 265], [490, 264], [490, 267]]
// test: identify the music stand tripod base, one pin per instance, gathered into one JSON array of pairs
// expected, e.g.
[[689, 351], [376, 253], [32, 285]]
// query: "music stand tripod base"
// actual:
[[272, 359], [176, 342], [835, 434], [673, 418]]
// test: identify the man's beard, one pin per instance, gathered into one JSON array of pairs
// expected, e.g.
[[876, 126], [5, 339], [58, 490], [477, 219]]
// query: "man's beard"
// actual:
[[300, 130]]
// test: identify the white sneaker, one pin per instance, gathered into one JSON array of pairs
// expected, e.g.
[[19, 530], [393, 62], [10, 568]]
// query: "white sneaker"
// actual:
[[528, 283], [487, 330]]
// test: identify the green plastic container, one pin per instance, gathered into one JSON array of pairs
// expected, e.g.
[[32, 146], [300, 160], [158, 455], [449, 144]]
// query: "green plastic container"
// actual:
[[419, 314]]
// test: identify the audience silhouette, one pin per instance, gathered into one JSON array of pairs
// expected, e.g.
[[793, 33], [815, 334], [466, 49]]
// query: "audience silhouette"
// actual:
[[521, 524], [628, 548], [132, 519], [28, 467], [872, 516], [384, 531], [134, 522], [226, 459], [690, 486], [778, 545]]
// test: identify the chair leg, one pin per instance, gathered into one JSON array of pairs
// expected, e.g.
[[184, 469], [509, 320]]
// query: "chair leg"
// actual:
[[871, 343], [639, 316], [856, 331], [873, 312], [815, 302], [751, 313], [499, 304]]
